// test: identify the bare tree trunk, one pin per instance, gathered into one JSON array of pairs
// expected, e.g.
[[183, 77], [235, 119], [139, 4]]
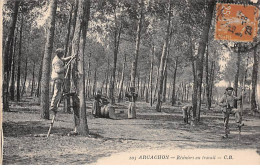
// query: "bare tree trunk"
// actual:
[[67, 40], [201, 50], [120, 94], [156, 85], [131, 109], [254, 80], [37, 94], [237, 73], [117, 35], [25, 77], [164, 85], [88, 79], [174, 82], [107, 74], [32, 89], [95, 82], [207, 76], [151, 76], [6, 56], [78, 71], [12, 87], [137, 45], [212, 73], [66, 88], [163, 58], [18, 93], [46, 62]]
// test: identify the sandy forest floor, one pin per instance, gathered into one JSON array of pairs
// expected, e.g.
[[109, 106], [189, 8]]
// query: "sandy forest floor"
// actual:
[[114, 138]]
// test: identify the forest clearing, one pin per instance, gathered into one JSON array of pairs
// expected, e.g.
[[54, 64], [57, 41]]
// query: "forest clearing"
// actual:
[[151, 130], [90, 81]]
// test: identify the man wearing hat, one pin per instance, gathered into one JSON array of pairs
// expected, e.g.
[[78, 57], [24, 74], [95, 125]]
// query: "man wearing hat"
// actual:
[[227, 102], [57, 75]]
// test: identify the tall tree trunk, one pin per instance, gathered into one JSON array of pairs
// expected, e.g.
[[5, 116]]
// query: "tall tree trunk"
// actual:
[[212, 73], [131, 111], [47, 62], [137, 45], [207, 77], [120, 94], [78, 71], [37, 94], [12, 87], [107, 74], [174, 82], [164, 85], [32, 90], [156, 85], [237, 73], [95, 82], [163, 58], [199, 63], [18, 84], [117, 35], [6, 56], [73, 26], [67, 40], [254, 80], [151, 76], [88, 78], [67, 105]]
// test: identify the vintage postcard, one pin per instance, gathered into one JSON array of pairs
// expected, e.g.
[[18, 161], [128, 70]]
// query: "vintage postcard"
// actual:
[[130, 82]]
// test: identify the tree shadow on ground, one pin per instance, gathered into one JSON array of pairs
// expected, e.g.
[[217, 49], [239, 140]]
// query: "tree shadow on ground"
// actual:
[[30, 128]]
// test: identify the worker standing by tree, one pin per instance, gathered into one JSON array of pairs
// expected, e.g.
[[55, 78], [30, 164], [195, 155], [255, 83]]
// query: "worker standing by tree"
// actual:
[[227, 102], [57, 75]]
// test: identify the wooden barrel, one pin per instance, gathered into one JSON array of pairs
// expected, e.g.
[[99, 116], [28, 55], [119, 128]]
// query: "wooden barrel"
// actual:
[[107, 111]]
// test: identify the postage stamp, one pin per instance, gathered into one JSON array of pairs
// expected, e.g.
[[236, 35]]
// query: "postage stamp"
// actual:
[[235, 22]]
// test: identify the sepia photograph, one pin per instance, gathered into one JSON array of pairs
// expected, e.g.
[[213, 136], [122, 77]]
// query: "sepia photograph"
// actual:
[[130, 82]]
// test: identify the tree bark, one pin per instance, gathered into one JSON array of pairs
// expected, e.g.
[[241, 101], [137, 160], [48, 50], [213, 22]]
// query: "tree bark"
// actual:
[[95, 82], [237, 73], [78, 72], [120, 94], [12, 87], [156, 85], [212, 76], [151, 76], [47, 62], [137, 45], [67, 105], [199, 63], [37, 94], [18, 84], [207, 76], [24, 89], [164, 85], [163, 58], [117, 35], [132, 112], [67, 40], [6, 56], [174, 82], [107, 74], [32, 89], [254, 81]]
